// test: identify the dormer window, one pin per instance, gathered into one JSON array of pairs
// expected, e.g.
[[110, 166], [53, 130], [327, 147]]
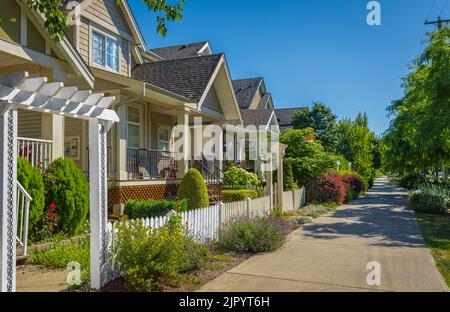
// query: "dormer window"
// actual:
[[105, 51]]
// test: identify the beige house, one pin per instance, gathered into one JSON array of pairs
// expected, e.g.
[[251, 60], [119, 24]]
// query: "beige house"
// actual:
[[154, 91]]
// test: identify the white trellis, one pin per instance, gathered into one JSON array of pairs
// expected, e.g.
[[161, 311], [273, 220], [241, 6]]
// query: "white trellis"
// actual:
[[17, 90]]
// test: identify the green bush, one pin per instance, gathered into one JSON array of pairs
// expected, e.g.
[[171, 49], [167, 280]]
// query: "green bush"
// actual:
[[430, 199], [230, 196], [60, 256], [288, 181], [66, 186], [259, 235], [412, 181], [31, 179], [238, 177], [194, 190], [136, 209], [149, 256]]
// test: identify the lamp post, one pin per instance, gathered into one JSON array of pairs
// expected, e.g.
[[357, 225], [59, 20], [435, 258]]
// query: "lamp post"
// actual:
[[350, 166], [338, 166]]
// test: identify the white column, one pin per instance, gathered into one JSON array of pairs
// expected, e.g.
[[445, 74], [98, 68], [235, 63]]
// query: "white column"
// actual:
[[98, 204], [121, 147], [183, 125], [8, 195], [53, 130], [269, 181], [280, 180]]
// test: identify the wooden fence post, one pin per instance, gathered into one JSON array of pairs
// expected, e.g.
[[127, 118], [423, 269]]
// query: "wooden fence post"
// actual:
[[248, 202]]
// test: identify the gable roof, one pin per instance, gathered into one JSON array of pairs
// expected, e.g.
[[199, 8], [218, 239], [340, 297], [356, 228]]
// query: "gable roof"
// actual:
[[256, 117], [285, 115], [264, 101], [188, 77], [180, 51], [245, 90]]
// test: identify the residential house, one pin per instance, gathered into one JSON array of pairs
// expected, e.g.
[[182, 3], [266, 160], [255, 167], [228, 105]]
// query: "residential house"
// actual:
[[285, 115]]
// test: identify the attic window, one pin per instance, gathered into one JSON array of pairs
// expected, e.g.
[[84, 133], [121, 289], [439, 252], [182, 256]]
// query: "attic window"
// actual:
[[105, 51]]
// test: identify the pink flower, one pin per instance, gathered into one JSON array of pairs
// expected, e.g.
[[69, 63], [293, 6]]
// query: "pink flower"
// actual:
[[53, 207], [50, 215]]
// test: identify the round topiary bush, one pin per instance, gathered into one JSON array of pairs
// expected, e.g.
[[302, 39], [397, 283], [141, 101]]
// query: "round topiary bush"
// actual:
[[193, 189], [67, 187], [236, 177], [31, 180], [326, 189]]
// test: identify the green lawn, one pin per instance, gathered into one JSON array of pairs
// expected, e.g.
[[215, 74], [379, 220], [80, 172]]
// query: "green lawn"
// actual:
[[436, 232]]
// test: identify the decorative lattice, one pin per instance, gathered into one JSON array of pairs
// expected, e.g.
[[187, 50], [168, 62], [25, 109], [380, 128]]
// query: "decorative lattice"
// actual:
[[120, 195]]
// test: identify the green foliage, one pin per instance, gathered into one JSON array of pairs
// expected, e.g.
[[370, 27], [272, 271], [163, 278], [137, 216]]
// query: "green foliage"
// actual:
[[418, 139], [149, 256], [230, 196], [323, 121], [412, 181], [136, 209], [259, 235], [194, 190], [238, 177], [31, 179], [288, 177], [60, 256], [57, 23], [430, 199], [66, 186]]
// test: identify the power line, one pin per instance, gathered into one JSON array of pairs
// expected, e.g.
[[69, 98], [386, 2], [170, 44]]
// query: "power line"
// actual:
[[431, 10], [440, 22], [444, 7]]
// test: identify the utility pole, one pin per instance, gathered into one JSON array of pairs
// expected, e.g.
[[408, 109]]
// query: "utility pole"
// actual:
[[439, 22]]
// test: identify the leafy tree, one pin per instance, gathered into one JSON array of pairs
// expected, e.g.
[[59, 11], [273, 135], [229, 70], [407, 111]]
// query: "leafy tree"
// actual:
[[306, 155], [418, 139], [56, 21], [323, 121]]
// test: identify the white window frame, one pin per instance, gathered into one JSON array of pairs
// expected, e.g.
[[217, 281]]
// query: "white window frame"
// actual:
[[169, 132], [133, 123], [107, 35]]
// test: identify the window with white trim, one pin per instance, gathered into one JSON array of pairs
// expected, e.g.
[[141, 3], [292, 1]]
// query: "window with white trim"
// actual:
[[105, 51], [164, 139], [134, 127]]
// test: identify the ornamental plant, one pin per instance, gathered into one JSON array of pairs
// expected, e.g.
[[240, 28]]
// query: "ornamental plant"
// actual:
[[326, 189], [238, 177], [31, 179], [66, 185], [193, 189], [356, 183]]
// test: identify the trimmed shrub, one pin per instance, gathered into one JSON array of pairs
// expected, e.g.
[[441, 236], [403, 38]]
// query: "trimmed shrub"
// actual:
[[231, 196], [136, 209], [430, 199], [66, 186], [356, 184], [194, 190], [289, 183], [326, 189], [31, 179], [238, 177], [259, 235], [413, 181], [149, 256]]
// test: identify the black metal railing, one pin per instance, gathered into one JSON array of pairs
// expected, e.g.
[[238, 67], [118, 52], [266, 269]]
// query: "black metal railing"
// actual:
[[212, 176], [151, 164]]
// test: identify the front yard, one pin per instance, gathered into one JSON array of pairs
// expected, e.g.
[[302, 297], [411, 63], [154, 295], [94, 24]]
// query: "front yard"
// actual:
[[436, 232]]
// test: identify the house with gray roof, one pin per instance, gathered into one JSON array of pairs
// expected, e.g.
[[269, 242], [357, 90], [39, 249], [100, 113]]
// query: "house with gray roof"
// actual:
[[285, 115]]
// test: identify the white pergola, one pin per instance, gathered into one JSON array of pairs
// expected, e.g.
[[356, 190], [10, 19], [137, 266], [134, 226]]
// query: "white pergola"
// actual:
[[17, 90]]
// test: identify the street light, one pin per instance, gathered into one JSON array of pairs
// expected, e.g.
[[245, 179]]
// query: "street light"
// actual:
[[338, 166], [350, 166]]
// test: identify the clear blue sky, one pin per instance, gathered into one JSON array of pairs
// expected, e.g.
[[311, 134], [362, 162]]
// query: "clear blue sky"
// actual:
[[309, 50]]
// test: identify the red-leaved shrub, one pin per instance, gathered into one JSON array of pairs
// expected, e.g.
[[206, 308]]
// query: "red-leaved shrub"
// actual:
[[327, 189], [355, 182]]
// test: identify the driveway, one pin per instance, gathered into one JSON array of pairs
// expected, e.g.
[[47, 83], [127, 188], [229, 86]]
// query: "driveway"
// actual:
[[333, 253]]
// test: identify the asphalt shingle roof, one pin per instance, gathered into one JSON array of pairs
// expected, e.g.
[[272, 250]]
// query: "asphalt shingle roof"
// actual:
[[256, 117], [264, 101], [179, 51], [285, 115], [187, 77], [245, 90]]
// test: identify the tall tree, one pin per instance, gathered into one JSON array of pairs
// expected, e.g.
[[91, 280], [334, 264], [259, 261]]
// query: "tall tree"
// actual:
[[323, 121], [56, 21], [419, 136]]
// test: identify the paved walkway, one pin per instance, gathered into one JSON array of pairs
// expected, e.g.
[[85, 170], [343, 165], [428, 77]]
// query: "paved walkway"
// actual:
[[332, 253]]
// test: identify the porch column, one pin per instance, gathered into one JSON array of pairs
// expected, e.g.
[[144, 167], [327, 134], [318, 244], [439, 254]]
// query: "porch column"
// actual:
[[280, 180], [183, 127], [8, 195], [53, 130], [98, 204], [269, 181], [121, 148]]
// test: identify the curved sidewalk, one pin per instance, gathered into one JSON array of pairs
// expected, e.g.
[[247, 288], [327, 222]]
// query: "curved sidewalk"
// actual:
[[332, 254]]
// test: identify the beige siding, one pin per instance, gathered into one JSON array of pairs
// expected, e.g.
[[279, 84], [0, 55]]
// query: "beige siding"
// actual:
[[83, 44], [212, 101], [256, 101], [74, 128], [35, 39], [155, 120], [30, 124], [124, 58], [109, 12], [10, 31]]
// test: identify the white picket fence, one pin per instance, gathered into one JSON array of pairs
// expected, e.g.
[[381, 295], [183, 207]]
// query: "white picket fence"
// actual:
[[293, 200], [203, 224]]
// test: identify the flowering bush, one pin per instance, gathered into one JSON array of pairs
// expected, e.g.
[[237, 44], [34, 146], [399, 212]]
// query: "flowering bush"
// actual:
[[356, 183], [327, 189], [236, 177]]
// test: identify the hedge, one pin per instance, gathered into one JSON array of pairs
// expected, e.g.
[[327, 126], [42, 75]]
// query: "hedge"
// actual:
[[136, 209], [231, 196]]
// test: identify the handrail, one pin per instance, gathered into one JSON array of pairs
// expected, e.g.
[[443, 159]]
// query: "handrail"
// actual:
[[23, 214], [24, 191], [34, 140]]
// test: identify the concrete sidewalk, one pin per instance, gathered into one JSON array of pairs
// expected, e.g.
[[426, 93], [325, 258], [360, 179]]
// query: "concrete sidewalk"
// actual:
[[332, 253]]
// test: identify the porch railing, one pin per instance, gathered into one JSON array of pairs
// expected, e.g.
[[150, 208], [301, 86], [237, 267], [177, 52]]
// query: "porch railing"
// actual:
[[151, 164], [23, 212], [38, 152]]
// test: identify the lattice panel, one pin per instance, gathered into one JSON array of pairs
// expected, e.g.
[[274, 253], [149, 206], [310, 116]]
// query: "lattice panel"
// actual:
[[120, 195]]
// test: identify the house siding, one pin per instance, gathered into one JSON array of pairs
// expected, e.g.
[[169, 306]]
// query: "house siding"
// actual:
[[212, 101], [10, 31], [29, 124], [157, 119], [83, 37], [109, 12]]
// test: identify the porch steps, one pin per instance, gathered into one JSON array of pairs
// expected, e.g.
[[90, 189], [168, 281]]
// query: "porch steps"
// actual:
[[20, 260]]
